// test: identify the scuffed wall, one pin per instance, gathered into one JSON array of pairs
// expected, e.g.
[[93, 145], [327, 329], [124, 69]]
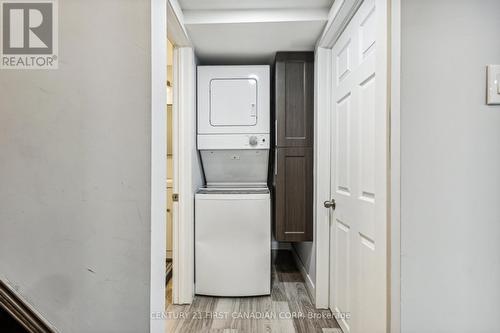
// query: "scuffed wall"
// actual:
[[75, 172]]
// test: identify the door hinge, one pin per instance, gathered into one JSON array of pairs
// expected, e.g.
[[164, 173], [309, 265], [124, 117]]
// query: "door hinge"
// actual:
[[175, 197]]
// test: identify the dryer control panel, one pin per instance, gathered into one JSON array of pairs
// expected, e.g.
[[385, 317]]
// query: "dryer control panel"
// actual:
[[233, 141]]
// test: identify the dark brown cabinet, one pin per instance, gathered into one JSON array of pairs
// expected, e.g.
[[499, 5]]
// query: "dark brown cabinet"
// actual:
[[293, 193], [294, 99], [293, 146]]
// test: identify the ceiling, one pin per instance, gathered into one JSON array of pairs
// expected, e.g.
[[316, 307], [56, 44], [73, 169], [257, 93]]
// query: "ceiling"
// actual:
[[252, 31], [252, 4]]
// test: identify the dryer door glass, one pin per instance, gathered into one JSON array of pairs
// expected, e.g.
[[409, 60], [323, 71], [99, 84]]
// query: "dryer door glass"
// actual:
[[233, 102]]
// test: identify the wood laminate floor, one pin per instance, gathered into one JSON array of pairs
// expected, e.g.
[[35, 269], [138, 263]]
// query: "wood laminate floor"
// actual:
[[288, 309]]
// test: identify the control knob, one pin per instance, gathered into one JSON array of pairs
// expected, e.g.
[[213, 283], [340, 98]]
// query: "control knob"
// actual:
[[253, 141]]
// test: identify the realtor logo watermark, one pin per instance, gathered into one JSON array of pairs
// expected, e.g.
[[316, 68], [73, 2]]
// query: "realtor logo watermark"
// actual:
[[29, 34]]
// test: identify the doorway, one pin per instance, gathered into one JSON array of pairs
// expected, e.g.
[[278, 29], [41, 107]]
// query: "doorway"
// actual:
[[340, 17], [170, 174], [185, 166], [358, 177], [353, 174], [166, 22]]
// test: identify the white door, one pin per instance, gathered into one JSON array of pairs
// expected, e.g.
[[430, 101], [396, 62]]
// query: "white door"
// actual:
[[358, 224]]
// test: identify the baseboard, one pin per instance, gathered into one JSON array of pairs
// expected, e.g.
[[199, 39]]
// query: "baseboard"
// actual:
[[309, 282], [22, 312]]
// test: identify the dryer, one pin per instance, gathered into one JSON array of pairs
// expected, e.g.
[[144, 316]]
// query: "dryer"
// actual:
[[233, 100], [233, 211], [233, 124]]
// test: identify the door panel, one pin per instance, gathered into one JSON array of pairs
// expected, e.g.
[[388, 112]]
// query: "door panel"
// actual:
[[342, 160], [294, 188], [358, 141], [343, 267], [294, 99], [295, 84]]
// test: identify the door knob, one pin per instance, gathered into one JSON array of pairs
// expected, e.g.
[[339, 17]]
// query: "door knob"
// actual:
[[329, 204]]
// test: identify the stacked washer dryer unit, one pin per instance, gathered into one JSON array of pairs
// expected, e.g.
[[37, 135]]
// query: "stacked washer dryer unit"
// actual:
[[233, 211]]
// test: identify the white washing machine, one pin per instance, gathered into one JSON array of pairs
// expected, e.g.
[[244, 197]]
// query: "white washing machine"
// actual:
[[233, 211], [233, 242]]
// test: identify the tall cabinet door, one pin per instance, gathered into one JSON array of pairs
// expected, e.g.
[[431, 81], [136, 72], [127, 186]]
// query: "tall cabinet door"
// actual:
[[293, 194], [294, 99]]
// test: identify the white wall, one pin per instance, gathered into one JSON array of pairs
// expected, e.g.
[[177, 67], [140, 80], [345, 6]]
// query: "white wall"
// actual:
[[450, 167], [306, 252], [75, 172]]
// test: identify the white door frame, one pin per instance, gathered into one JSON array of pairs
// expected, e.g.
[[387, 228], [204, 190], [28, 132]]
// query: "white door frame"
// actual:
[[395, 165], [184, 68], [341, 13], [184, 108], [184, 113], [158, 163], [323, 68]]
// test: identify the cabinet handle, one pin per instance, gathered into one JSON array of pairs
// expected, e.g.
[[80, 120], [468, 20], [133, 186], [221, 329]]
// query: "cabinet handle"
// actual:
[[275, 161], [276, 131]]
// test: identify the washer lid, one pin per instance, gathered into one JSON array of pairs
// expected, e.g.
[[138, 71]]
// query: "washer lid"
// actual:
[[219, 190], [235, 167]]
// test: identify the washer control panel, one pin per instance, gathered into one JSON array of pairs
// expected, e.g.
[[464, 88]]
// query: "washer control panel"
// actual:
[[233, 141]]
